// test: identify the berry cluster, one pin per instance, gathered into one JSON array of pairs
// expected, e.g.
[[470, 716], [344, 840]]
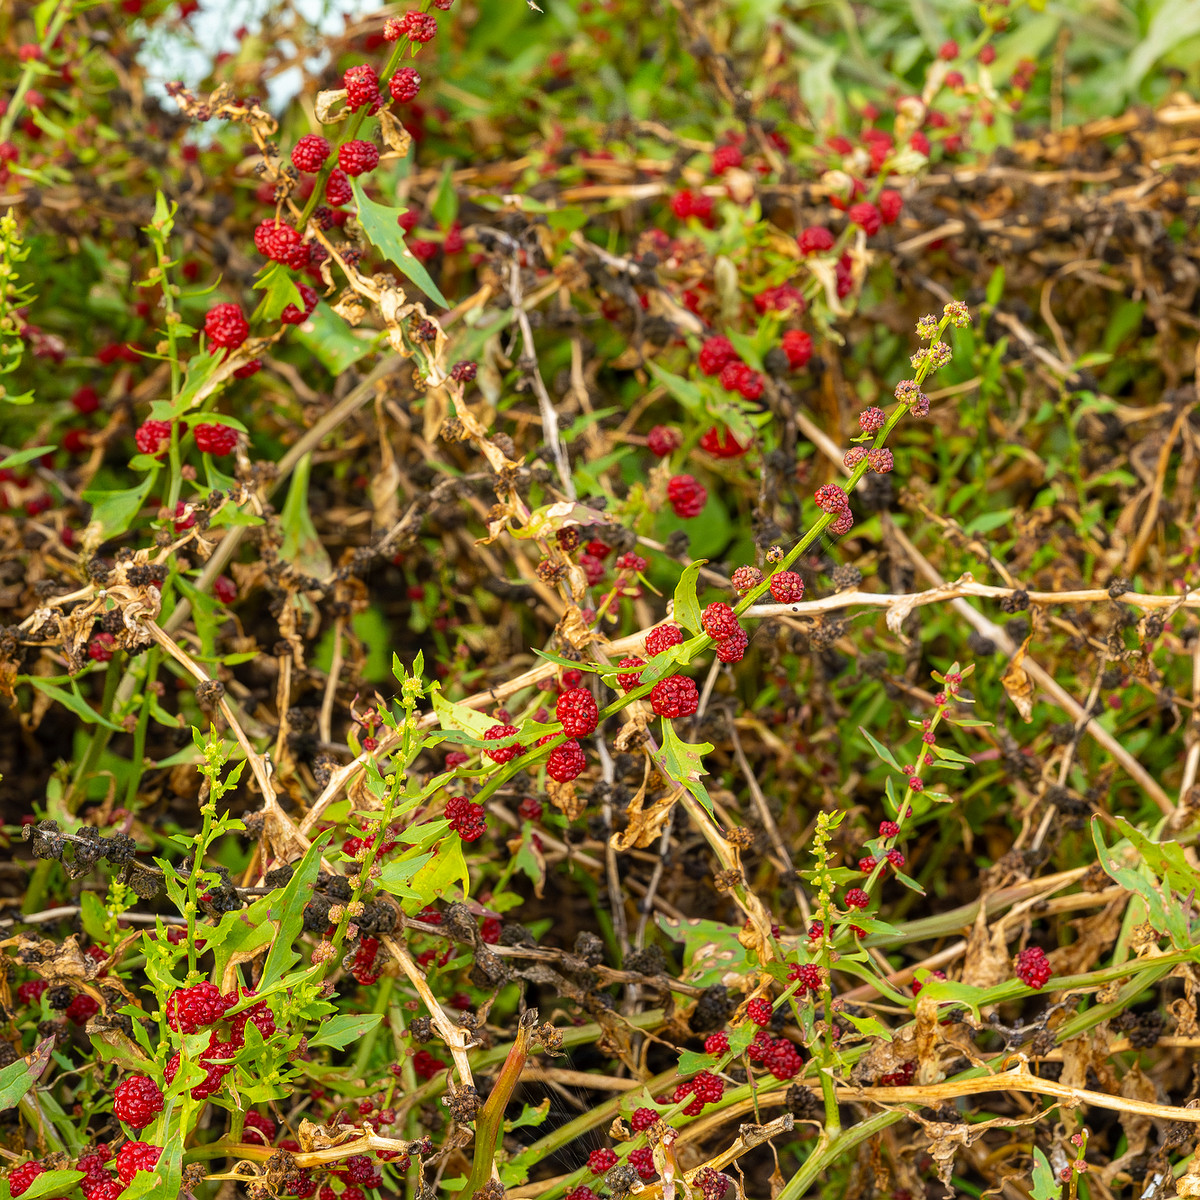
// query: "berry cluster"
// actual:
[[137, 1101], [577, 711], [675, 696], [466, 819], [778, 1055], [704, 1088], [1033, 968]]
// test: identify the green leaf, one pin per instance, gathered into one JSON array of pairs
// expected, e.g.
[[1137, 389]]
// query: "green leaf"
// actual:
[[995, 287], [1165, 859], [691, 1061], [948, 755], [94, 917], [460, 716], [19, 457], [881, 750], [710, 951], [279, 289], [1130, 878], [379, 224], [114, 511], [684, 762], [286, 910], [339, 1032], [434, 880], [530, 1115], [71, 700], [689, 394], [396, 876], [331, 341], [301, 545], [687, 607], [17, 1078], [1045, 1186], [445, 203], [53, 1184]]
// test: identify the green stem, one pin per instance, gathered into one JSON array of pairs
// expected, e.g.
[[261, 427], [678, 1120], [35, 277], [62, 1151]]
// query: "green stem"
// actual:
[[61, 15], [96, 747], [382, 999], [137, 760], [489, 1124]]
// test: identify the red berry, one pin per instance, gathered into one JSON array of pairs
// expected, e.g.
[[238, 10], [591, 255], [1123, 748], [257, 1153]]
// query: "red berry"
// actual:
[[716, 354], [868, 863], [195, 1008], [831, 499], [419, 26], [153, 437], [717, 1043], [82, 1009], [808, 975], [137, 1101], [530, 809], [843, 524], [888, 829], [404, 85], [686, 496], [815, 240], [675, 696], [872, 420], [357, 156], [629, 561], [866, 216], [310, 152], [21, 1178], [857, 898], [215, 439], [746, 579], [890, 201], [362, 86], [725, 157], [337, 188], [733, 648], [141, 1156], [279, 242], [566, 762], [503, 754], [226, 326], [248, 369], [719, 621], [600, 1161], [628, 682], [721, 443], [663, 439], [663, 637], [225, 589], [787, 587], [759, 1011], [581, 1193], [85, 400], [798, 347], [948, 51], [31, 991], [642, 1119], [292, 315], [987, 55], [578, 712], [1033, 968], [895, 858], [712, 1184], [880, 460], [100, 648], [642, 1160]]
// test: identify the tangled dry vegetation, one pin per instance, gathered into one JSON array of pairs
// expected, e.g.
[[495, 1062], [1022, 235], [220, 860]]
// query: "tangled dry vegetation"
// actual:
[[579, 686]]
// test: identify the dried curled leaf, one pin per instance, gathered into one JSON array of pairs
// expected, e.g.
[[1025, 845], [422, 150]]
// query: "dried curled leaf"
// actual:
[[1018, 684]]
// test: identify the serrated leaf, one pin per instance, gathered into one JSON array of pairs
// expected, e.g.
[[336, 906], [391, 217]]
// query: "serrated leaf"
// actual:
[[684, 763], [378, 222], [880, 749], [530, 1115], [279, 290], [687, 607], [689, 394], [339, 1032], [691, 1061], [286, 910], [115, 511]]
